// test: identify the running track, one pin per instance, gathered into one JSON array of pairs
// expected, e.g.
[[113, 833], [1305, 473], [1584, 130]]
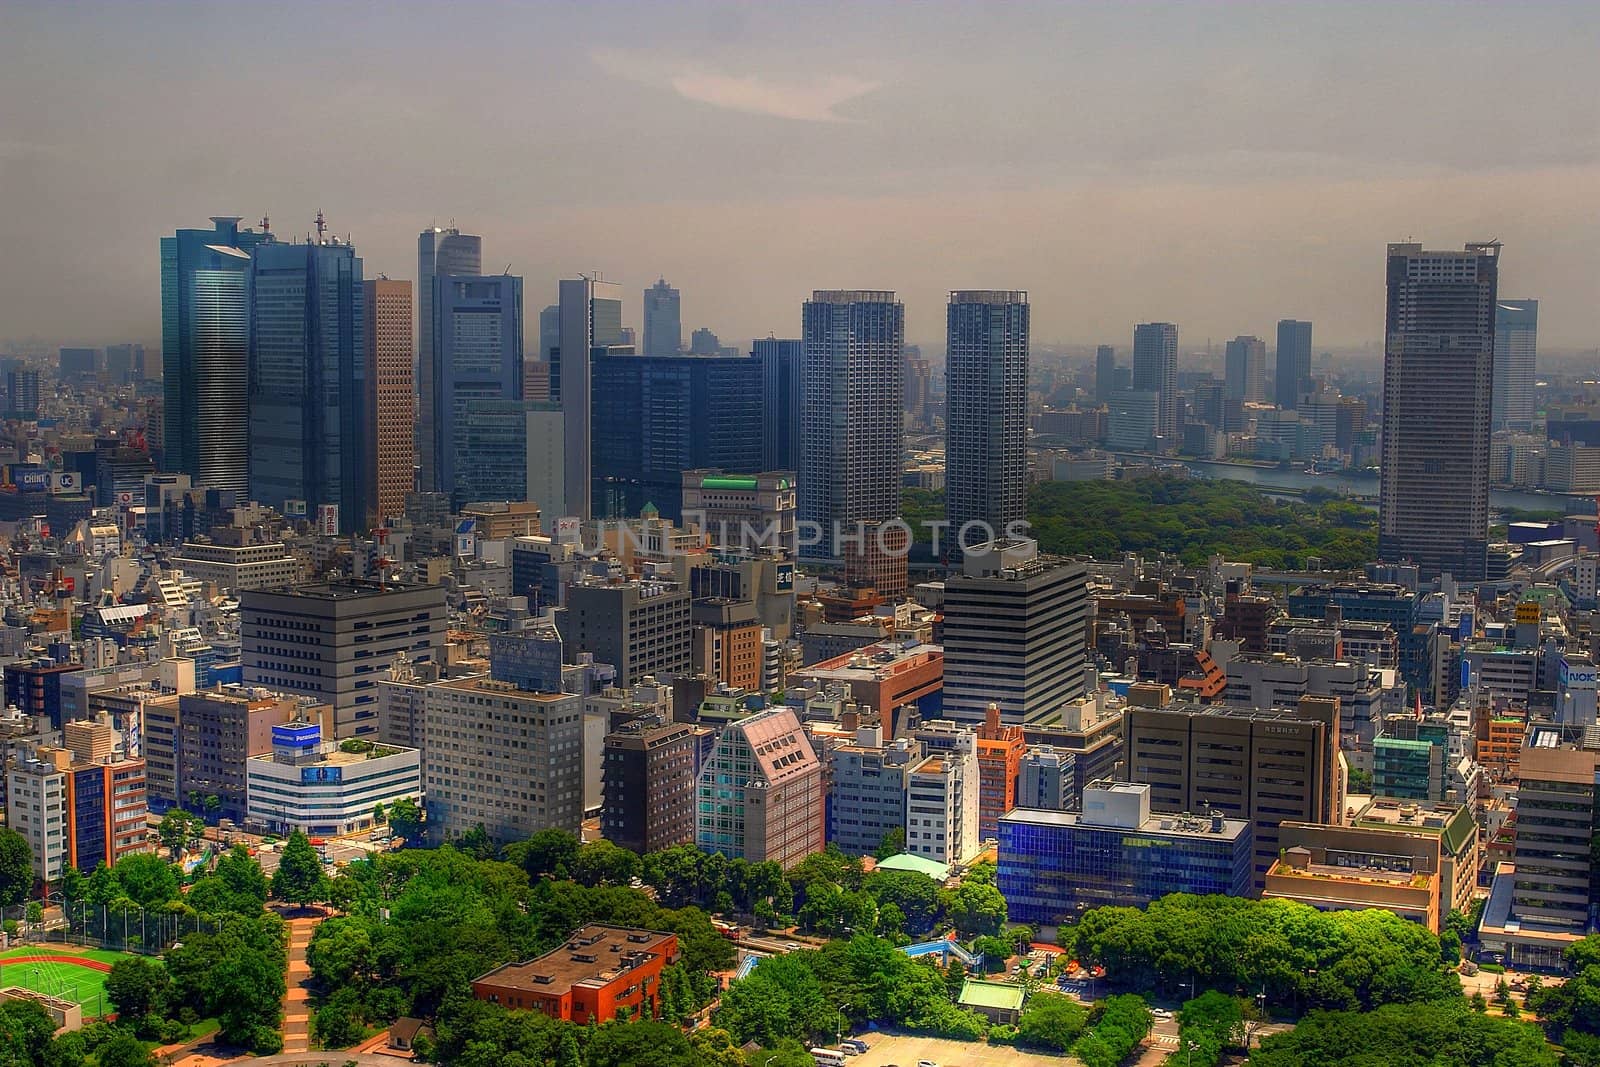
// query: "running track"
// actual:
[[78, 961]]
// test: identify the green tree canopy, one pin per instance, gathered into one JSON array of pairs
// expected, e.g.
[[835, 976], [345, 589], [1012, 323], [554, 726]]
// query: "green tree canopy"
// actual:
[[16, 868], [300, 878]]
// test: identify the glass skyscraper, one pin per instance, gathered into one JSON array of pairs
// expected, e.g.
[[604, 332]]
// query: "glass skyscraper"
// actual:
[[1516, 350], [1155, 370], [480, 431], [986, 413], [1293, 370], [780, 402], [591, 318], [308, 435], [205, 352], [439, 252], [663, 324]]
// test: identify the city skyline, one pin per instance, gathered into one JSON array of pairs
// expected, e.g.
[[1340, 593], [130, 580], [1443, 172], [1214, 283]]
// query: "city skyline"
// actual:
[[1318, 181]]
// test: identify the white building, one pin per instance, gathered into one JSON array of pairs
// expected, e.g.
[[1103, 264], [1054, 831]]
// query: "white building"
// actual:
[[327, 788], [238, 567], [942, 807], [36, 807]]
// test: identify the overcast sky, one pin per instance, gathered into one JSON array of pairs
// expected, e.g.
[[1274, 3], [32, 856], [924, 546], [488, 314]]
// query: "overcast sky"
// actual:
[[1216, 165]]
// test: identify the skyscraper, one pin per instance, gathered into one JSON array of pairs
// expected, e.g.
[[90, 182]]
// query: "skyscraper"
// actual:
[[1245, 369], [205, 352], [1516, 347], [852, 431], [308, 370], [391, 455], [1155, 370], [480, 431], [780, 402], [549, 333], [1105, 372], [1294, 362], [438, 252], [591, 318], [986, 413], [1438, 368], [663, 328]]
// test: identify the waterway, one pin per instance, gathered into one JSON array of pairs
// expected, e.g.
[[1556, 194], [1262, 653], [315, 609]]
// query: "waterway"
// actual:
[[1365, 486]]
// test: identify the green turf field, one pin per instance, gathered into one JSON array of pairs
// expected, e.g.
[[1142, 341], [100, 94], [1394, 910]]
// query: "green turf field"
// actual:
[[30, 968]]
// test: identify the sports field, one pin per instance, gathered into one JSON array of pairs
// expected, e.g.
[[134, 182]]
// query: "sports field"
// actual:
[[61, 971]]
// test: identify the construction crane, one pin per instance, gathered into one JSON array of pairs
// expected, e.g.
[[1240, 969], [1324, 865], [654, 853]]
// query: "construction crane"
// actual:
[[322, 225]]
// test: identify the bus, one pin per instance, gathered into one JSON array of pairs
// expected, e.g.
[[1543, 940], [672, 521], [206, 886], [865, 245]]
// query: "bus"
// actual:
[[827, 1057]]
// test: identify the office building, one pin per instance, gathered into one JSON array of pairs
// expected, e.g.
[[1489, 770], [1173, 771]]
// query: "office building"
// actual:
[[1133, 418], [942, 804], [986, 414], [235, 568], [641, 628], [852, 432], [75, 811], [780, 401], [869, 782], [760, 793], [1245, 369], [647, 780], [1047, 779], [479, 420], [1433, 505], [501, 757], [1015, 634], [590, 319], [205, 353], [665, 416], [1000, 750], [125, 363], [23, 395], [1116, 852], [335, 640], [663, 326], [1516, 357], [599, 974], [308, 389], [546, 437], [218, 730], [1105, 372], [391, 398], [439, 253], [78, 363], [886, 677], [1155, 370], [743, 514], [1262, 766], [1292, 375], [324, 788]]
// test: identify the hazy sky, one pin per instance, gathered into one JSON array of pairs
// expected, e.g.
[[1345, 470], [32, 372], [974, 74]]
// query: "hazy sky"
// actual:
[[1217, 165]]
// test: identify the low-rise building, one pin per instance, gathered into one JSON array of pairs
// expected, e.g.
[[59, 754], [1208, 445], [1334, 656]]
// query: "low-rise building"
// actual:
[[597, 973], [327, 788], [235, 568], [1332, 880]]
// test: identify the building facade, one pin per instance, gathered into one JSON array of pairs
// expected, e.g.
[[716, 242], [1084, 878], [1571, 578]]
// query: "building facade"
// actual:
[[781, 361], [1155, 370], [1438, 367], [986, 413], [440, 252], [647, 779], [869, 782], [641, 628], [1244, 370], [663, 324], [1293, 370], [590, 318], [236, 568], [599, 972], [479, 420], [1516, 358], [760, 794], [391, 398], [325, 788]]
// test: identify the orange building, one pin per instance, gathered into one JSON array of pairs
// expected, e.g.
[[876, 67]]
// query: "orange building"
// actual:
[[599, 971], [1499, 749], [1000, 752], [884, 676], [389, 396], [727, 641]]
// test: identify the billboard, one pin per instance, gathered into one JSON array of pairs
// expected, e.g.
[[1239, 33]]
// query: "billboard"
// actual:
[[294, 509], [566, 530], [1577, 675], [31, 479], [66, 482], [328, 519]]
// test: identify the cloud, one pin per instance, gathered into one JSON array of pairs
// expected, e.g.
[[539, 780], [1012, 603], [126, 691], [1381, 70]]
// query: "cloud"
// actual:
[[802, 100]]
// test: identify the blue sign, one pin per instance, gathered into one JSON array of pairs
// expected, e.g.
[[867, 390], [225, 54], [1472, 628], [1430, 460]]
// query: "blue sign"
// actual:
[[32, 479], [321, 775]]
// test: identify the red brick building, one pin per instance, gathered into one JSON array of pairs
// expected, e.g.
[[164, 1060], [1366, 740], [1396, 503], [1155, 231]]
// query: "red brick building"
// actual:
[[599, 970]]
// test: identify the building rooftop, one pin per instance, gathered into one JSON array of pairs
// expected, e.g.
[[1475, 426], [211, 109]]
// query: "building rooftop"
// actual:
[[593, 956], [939, 872], [1006, 996], [1167, 824]]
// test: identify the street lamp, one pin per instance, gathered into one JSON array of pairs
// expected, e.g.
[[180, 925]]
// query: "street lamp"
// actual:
[[838, 1030]]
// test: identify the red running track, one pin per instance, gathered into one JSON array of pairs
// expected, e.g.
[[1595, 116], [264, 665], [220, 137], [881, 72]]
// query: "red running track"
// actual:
[[79, 961]]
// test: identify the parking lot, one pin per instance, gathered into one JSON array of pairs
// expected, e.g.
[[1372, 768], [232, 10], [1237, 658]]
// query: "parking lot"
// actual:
[[905, 1050]]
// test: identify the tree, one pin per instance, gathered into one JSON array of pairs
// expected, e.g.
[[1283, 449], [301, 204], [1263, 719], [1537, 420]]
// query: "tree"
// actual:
[[893, 843], [1051, 1021], [379, 815], [147, 879], [25, 1032], [137, 986], [16, 868], [629, 1044], [915, 895], [299, 878], [995, 952], [338, 1023], [568, 1055], [405, 819], [1444, 1033], [123, 1049], [975, 907], [604, 863], [242, 875], [174, 831], [33, 913]]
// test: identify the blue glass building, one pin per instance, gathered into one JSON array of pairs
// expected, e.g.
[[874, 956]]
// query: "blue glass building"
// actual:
[[205, 352], [308, 421], [480, 424], [1055, 864]]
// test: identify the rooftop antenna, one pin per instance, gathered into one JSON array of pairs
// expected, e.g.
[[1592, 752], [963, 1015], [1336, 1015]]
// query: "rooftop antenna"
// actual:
[[322, 225], [266, 224]]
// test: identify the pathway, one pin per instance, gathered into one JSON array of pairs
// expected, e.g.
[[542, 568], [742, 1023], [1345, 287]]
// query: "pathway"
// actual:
[[297, 980]]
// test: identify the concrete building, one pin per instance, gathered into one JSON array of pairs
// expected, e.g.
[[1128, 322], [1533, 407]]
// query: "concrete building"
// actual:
[[237, 568], [1000, 750], [336, 640], [760, 793], [640, 628], [1278, 680], [648, 782], [75, 811], [1105, 372], [501, 757], [1047, 779], [853, 430], [1116, 852], [590, 319], [1263, 766], [869, 781], [391, 397], [326, 788], [1293, 375], [746, 514], [1438, 370], [942, 805], [1014, 634], [663, 321], [479, 421], [986, 413], [218, 731], [1516, 357], [884, 677], [440, 252], [1133, 419], [1155, 370], [1245, 370], [599, 972]]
